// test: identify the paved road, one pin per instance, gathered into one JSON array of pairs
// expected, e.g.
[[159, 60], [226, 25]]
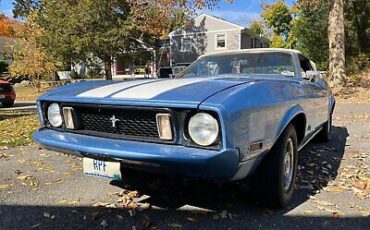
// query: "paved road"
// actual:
[[20, 107], [41, 189]]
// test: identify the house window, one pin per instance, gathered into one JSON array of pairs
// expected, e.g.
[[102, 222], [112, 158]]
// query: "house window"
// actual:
[[220, 41], [186, 45]]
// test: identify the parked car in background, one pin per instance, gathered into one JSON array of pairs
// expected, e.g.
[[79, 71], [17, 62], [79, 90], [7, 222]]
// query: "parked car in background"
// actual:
[[165, 72], [7, 94], [170, 72], [227, 116]]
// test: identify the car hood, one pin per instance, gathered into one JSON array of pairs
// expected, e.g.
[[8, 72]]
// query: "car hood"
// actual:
[[182, 92]]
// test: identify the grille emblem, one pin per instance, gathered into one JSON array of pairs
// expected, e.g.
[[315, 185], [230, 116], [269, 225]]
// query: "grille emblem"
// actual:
[[114, 121]]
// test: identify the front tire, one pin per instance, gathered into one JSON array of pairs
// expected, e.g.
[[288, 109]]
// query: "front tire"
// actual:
[[325, 134], [277, 173]]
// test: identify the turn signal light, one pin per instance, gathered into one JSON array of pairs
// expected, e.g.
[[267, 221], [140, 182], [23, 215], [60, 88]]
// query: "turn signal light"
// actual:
[[164, 126]]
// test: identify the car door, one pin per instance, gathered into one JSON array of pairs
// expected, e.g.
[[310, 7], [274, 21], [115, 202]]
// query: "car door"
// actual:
[[318, 95]]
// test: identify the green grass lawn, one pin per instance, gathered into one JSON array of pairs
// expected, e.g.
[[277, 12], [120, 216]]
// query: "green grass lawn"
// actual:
[[28, 93]]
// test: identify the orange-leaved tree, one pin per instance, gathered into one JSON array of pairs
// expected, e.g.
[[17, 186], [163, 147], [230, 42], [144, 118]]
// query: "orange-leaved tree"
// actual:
[[159, 17], [5, 26]]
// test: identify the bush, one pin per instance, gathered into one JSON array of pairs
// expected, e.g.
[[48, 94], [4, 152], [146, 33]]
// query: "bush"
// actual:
[[94, 70], [357, 69], [3, 67], [358, 64], [74, 74]]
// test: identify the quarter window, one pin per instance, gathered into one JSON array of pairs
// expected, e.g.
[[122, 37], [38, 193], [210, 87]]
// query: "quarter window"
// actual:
[[220, 41], [305, 63]]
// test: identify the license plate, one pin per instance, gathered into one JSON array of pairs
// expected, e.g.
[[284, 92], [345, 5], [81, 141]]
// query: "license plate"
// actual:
[[102, 169], [2, 96]]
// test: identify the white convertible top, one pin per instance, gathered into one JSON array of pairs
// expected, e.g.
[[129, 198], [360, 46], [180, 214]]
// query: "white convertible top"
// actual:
[[257, 50]]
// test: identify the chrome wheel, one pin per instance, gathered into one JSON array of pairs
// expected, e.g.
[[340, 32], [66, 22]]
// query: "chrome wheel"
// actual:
[[288, 164]]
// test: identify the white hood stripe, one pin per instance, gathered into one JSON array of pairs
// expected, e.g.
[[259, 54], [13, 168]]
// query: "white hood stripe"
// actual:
[[107, 90], [148, 91]]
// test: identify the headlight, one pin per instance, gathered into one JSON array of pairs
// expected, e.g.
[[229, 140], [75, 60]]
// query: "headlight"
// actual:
[[203, 129], [54, 115]]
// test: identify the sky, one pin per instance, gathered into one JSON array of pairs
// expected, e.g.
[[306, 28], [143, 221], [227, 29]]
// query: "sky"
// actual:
[[241, 12]]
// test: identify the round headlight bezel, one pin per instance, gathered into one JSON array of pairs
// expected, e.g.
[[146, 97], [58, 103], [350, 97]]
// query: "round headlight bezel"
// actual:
[[204, 119], [54, 115]]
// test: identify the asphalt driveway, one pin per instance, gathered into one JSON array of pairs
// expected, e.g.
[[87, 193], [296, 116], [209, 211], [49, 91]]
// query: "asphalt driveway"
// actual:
[[41, 189]]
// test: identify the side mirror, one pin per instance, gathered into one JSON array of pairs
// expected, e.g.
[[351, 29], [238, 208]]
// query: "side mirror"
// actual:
[[312, 75]]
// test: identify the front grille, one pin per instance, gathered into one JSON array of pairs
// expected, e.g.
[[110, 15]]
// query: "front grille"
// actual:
[[128, 122]]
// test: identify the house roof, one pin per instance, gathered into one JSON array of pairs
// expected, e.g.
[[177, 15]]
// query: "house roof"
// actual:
[[237, 27], [220, 19]]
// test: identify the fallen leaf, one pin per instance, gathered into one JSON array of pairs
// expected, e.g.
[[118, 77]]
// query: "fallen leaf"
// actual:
[[25, 177], [334, 189], [325, 203], [5, 186], [360, 185], [174, 225], [75, 202], [48, 215], [104, 224], [132, 212], [119, 217], [326, 209], [310, 172], [35, 225], [191, 219], [336, 215], [223, 214], [101, 204], [62, 202]]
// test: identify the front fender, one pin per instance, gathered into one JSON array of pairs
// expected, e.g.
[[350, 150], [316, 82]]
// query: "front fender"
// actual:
[[292, 112]]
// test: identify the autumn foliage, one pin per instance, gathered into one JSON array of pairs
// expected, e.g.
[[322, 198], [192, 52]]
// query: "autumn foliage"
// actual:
[[30, 59], [8, 26], [5, 27]]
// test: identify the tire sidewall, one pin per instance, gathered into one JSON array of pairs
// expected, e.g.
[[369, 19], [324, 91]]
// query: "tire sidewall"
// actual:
[[286, 196], [329, 126]]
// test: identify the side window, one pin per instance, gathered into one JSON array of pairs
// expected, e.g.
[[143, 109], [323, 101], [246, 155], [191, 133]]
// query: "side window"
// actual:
[[305, 63], [220, 41]]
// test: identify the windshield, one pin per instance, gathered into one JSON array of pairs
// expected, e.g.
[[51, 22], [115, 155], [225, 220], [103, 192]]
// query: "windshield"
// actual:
[[266, 63]]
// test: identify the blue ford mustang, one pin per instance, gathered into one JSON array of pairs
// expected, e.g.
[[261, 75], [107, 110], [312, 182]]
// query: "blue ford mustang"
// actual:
[[227, 116]]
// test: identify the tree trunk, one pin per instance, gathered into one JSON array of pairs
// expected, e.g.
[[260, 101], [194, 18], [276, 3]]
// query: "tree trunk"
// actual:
[[38, 83], [337, 74], [108, 69]]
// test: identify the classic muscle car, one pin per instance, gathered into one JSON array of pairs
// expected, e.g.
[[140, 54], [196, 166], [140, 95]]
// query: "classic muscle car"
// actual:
[[227, 116]]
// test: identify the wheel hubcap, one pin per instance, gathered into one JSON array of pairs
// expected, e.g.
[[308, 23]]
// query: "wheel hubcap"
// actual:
[[288, 164]]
